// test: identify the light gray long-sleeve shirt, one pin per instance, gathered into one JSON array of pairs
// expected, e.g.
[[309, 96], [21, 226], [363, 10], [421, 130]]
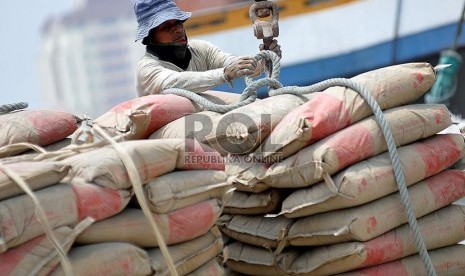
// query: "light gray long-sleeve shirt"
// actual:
[[205, 70]]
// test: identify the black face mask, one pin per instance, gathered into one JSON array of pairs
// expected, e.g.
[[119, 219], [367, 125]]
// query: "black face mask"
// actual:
[[176, 53]]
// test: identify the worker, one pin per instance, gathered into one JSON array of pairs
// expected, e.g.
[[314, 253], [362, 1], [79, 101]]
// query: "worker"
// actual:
[[171, 61]]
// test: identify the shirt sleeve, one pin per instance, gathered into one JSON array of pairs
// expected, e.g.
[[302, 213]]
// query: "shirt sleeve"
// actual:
[[207, 71]]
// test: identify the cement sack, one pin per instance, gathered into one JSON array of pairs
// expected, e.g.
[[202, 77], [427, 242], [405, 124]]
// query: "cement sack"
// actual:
[[257, 230], [255, 189], [337, 107], [442, 228], [242, 130], [152, 158], [188, 256], [36, 174], [449, 261], [248, 172], [212, 268], [356, 143], [253, 204], [373, 219], [374, 178], [38, 127], [38, 256], [62, 144], [191, 126], [252, 260], [180, 189], [140, 117], [131, 226], [108, 259], [221, 97], [63, 204]]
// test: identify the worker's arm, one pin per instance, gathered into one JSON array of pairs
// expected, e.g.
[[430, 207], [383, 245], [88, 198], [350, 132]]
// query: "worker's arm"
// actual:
[[153, 78], [209, 67]]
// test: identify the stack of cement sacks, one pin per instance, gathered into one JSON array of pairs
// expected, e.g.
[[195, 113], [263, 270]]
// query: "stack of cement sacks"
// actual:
[[184, 198], [25, 248], [318, 195], [88, 201]]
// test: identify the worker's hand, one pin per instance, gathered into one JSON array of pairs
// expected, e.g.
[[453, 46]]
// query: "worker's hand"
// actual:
[[274, 46], [258, 69], [240, 67]]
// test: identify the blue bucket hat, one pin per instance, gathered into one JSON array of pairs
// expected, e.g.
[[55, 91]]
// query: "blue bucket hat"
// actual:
[[152, 13]]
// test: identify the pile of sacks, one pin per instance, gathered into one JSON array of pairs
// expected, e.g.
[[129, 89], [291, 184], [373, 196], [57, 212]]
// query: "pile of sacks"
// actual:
[[316, 191], [86, 193], [184, 199]]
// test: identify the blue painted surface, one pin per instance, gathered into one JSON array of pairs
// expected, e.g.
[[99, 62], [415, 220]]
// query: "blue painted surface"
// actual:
[[409, 48]]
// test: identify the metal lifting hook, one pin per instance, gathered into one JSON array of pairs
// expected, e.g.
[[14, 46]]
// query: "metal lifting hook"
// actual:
[[265, 28], [265, 15]]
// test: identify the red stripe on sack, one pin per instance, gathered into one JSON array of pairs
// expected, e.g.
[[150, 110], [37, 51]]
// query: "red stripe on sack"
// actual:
[[355, 144], [96, 202], [371, 224], [396, 268], [327, 115], [438, 153], [10, 259], [440, 115], [141, 102], [201, 157], [52, 126], [166, 111], [418, 79], [383, 249], [191, 222], [446, 187], [118, 263]]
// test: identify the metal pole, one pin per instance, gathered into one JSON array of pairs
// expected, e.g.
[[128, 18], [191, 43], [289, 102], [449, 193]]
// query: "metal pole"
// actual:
[[396, 32]]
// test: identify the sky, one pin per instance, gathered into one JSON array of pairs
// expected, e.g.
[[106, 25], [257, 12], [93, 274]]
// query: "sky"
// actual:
[[20, 24]]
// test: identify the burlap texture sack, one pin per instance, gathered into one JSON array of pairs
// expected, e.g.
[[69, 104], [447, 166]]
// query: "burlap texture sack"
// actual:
[[64, 205], [449, 260], [38, 127], [356, 143], [36, 174], [108, 259], [338, 107], [242, 130], [374, 178], [253, 204], [442, 228], [131, 226], [370, 220], [180, 189], [152, 158], [188, 256], [257, 230]]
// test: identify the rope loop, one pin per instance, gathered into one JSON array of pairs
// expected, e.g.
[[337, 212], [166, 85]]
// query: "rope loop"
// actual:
[[249, 94]]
